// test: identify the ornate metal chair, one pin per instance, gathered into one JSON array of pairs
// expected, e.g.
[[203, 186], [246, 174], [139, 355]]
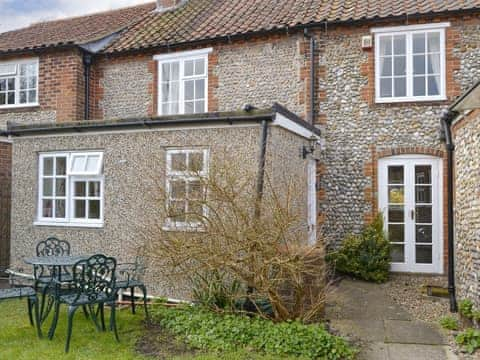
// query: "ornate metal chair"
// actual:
[[93, 284], [53, 247], [130, 276]]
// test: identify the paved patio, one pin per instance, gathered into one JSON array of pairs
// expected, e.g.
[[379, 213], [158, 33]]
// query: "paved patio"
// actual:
[[385, 331]]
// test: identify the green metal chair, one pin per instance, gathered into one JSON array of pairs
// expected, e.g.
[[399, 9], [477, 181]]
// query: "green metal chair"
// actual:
[[93, 284], [130, 276]]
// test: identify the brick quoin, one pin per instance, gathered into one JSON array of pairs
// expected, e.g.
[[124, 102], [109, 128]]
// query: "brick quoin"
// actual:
[[5, 204]]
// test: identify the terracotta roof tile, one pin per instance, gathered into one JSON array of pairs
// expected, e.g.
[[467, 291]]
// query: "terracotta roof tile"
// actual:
[[77, 30], [206, 19]]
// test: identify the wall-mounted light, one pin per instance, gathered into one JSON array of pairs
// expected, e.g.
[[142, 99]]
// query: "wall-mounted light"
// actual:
[[310, 149]]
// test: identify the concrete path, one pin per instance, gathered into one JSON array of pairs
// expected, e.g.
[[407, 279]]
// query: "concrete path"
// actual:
[[385, 331]]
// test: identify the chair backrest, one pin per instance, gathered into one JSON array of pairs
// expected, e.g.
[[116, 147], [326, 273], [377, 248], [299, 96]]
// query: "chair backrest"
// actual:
[[95, 278], [53, 247]]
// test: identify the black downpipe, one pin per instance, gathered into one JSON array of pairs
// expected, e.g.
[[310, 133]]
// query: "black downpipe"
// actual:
[[446, 121], [87, 63], [261, 168], [311, 114]]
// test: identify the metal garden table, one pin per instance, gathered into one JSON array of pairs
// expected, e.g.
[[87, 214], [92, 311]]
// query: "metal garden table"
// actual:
[[54, 266]]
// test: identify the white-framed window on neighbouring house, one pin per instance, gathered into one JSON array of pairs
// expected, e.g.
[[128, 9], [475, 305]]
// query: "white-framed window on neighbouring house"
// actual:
[[186, 188], [70, 189], [19, 83], [183, 82], [410, 63]]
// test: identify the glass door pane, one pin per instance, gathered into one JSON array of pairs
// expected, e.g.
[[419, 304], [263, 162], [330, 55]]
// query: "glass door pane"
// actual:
[[396, 212], [423, 214]]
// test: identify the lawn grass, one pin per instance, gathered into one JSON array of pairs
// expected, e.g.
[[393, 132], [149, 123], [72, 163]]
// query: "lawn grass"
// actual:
[[19, 340]]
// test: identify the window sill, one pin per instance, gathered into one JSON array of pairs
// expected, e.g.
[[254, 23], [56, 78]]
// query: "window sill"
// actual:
[[68, 224], [409, 100], [19, 106], [183, 228]]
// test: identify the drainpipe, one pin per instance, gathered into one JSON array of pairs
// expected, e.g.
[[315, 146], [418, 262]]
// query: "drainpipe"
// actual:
[[87, 63], [446, 121], [311, 114], [261, 168]]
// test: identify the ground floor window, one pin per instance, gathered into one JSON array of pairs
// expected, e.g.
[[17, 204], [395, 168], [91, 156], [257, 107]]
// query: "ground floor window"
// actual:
[[186, 188], [70, 188]]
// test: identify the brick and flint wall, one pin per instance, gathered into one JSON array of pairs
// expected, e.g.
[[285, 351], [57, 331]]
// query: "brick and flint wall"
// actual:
[[60, 89], [5, 194], [134, 170], [466, 134]]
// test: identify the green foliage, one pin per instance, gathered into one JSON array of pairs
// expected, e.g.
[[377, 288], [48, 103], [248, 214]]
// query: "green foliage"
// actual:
[[214, 290], [365, 256], [211, 331], [465, 308], [469, 339], [476, 315], [449, 323]]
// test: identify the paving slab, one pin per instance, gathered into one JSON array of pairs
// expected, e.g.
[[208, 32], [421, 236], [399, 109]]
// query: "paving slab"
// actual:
[[412, 332], [357, 329], [383, 330], [415, 351], [374, 351]]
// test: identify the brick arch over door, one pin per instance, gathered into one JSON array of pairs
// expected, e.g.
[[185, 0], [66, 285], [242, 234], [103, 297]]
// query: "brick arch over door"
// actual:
[[371, 171]]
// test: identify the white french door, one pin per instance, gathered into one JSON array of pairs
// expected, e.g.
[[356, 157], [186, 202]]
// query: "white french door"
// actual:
[[410, 198]]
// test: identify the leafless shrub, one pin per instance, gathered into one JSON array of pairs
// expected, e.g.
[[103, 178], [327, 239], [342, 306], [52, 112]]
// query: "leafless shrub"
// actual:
[[266, 251]]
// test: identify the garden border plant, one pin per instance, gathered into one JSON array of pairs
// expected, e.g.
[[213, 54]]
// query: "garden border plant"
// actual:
[[221, 332], [365, 256]]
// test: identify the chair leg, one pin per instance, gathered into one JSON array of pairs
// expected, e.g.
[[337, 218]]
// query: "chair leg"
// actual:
[[30, 305], [144, 291], [71, 313], [132, 299], [53, 327], [37, 316], [85, 311], [113, 322], [102, 316]]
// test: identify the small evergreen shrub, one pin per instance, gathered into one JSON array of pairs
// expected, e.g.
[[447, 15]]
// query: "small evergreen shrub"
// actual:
[[449, 323], [213, 290], [207, 330], [469, 340], [465, 307], [365, 256]]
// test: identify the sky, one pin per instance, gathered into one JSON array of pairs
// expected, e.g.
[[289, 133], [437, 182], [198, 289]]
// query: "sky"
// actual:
[[15, 14]]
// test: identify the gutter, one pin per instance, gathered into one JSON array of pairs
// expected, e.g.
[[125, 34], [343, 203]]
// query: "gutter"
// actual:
[[448, 116], [79, 127]]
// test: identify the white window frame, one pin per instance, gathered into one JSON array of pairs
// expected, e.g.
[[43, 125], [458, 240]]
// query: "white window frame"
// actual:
[[17, 64], [170, 224], [409, 31], [69, 220], [181, 58]]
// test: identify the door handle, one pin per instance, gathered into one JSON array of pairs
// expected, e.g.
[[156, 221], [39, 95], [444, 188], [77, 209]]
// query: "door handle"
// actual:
[[412, 214]]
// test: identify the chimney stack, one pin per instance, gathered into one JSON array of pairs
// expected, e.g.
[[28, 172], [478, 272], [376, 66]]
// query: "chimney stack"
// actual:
[[163, 5]]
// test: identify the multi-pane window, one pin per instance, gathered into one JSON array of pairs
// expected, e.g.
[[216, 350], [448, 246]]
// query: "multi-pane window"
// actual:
[[186, 172], [19, 83], [410, 64], [71, 188], [183, 83]]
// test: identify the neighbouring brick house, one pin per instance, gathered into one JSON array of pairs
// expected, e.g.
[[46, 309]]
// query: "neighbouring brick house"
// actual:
[[375, 84]]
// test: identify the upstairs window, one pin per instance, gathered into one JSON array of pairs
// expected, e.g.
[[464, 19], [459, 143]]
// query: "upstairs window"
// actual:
[[183, 82], [71, 189], [410, 63], [18, 83], [186, 170]]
